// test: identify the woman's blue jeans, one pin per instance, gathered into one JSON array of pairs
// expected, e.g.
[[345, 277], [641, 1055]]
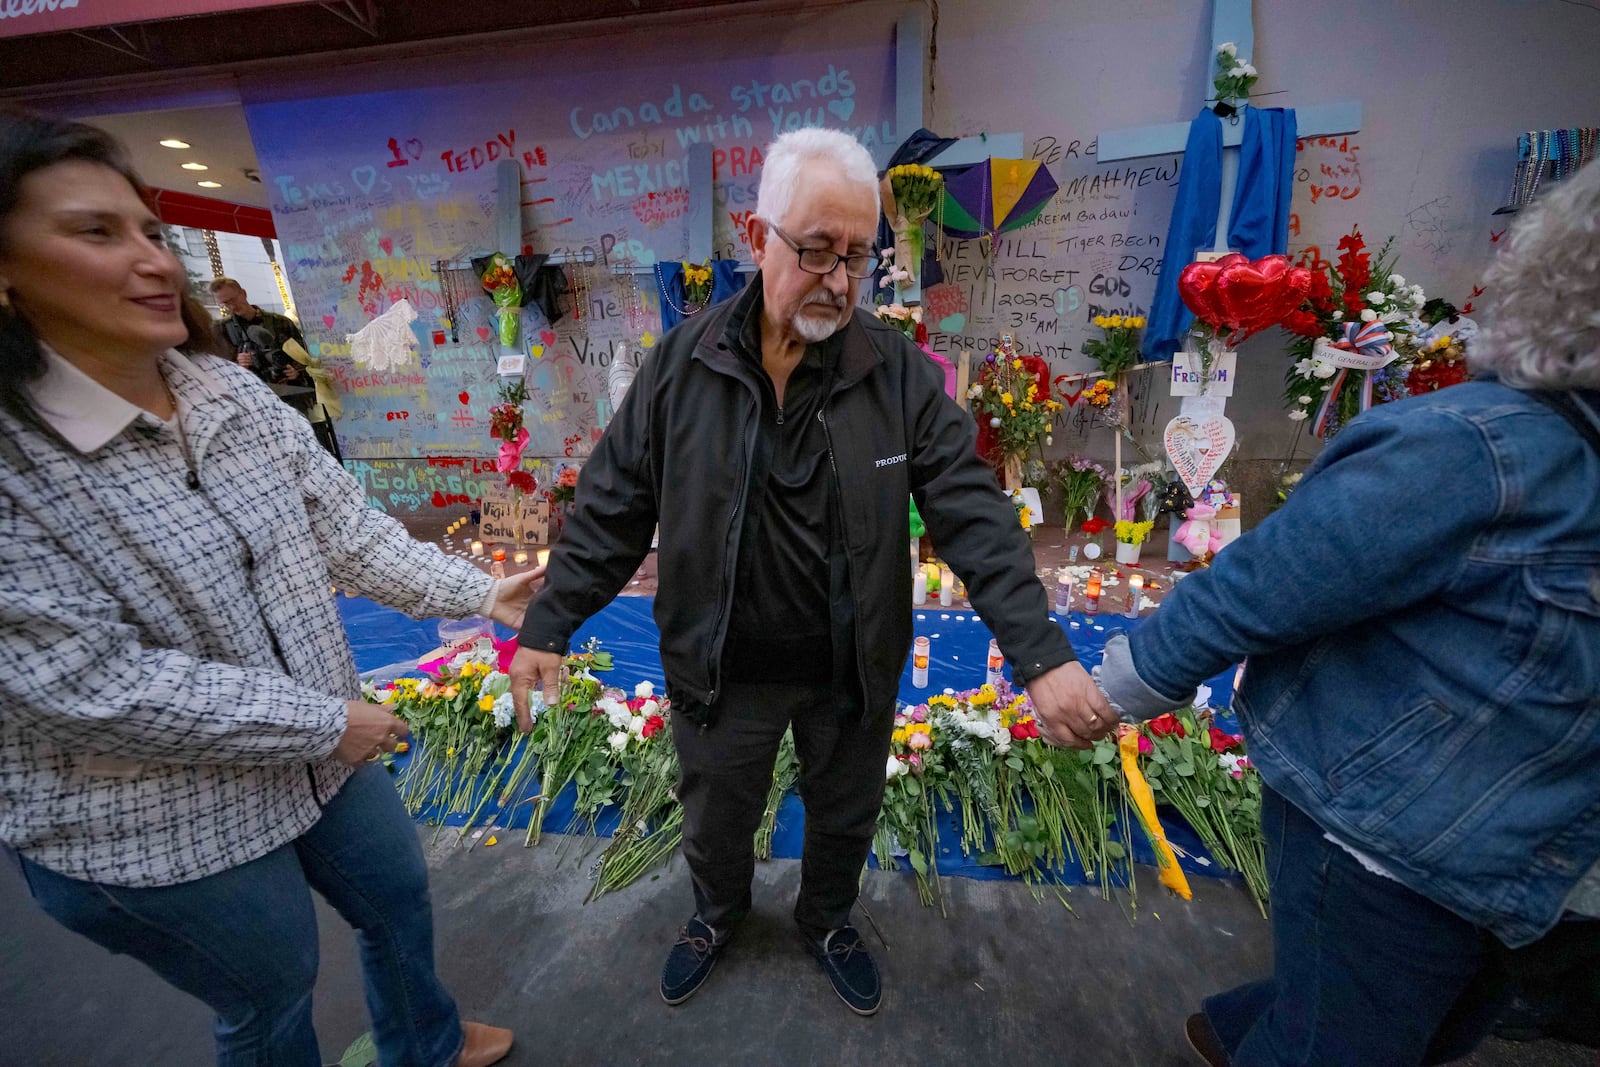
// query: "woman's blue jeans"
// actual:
[[1365, 971], [245, 941]]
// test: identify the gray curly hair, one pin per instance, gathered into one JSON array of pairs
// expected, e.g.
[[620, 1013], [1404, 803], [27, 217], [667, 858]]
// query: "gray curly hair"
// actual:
[[1544, 328]]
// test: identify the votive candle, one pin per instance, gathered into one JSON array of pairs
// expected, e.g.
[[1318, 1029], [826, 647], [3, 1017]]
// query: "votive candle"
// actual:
[[477, 548]]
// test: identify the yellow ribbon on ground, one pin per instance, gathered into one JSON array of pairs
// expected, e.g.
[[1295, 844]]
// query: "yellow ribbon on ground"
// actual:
[[327, 391], [1144, 803]]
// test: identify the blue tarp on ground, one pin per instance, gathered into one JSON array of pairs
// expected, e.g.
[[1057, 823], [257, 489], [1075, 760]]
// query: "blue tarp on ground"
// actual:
[[387, 642]]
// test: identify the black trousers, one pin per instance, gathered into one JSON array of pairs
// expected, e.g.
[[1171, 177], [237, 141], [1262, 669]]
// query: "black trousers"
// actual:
[[727, 772]]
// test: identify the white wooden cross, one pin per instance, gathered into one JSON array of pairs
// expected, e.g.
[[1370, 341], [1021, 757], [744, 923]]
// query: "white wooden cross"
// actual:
[[1230, 22]]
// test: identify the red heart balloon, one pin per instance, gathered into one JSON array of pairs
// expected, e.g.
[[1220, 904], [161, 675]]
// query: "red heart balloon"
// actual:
[[1254, 296], [1197, 285]]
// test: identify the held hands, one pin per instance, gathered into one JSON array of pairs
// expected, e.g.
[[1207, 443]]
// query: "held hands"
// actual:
[[530, 667], [1070, 709], [368, 730], [514, 594]]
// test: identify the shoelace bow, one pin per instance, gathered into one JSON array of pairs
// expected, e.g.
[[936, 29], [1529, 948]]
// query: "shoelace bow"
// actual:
[[700, 945]]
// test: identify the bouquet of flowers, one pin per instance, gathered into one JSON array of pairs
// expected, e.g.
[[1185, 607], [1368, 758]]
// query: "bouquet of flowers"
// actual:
[[902, 318], [697, 283], [1081, 481], [785, 772], [641, 757], [1233, 80], [1119, 349], [499, 280], [1203, 772], [914, 191], [565, 491], [906, 826], [468, 756], [1441, 349], [1016, 404], [1101, 394], [506, 426], [569, 741], [1133, 533], [1352, 346]]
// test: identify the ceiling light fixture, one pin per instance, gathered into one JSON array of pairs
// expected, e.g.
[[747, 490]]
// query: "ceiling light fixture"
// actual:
[[209, 185], [173, 142], [195, 166]]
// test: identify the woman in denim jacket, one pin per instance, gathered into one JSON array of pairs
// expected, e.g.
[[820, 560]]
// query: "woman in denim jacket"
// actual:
[[1422, 697]]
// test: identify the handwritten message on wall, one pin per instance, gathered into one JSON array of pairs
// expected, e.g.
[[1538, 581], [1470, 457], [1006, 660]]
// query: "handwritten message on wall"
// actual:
[[370, 190]]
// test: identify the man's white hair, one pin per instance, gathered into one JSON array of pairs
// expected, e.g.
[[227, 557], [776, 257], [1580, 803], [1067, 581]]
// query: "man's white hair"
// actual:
[[788, 155], [1544, 289]]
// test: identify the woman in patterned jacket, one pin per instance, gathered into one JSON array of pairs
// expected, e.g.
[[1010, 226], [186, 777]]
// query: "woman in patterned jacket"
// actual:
[[182, 754]]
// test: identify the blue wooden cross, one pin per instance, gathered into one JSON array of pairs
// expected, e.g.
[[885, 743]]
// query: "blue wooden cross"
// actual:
[[1230, 21]]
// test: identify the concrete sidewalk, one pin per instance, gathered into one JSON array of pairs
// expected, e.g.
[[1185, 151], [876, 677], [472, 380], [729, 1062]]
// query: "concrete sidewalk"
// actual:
[[1003, 978]]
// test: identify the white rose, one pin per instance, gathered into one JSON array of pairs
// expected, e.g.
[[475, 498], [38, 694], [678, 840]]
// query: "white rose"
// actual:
[[916, 314], [644, 689], [1228, 48], [1249, 70], [1002, 743], [1298, 416], [1338, 316], [1302, 400], [1324, 370], [893, 769], [618, 741], [1368, 315], [650, 707], [1376, 297], [636, 727], [387, 696]]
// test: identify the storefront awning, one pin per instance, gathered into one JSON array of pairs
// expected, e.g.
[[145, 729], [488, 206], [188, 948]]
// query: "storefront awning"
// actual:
[[204, 213]]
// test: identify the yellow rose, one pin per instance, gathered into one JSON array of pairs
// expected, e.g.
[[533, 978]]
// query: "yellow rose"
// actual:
[[486, 704]]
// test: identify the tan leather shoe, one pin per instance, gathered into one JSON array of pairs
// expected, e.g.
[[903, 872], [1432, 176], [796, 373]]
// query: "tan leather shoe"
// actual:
[[485, 1045]]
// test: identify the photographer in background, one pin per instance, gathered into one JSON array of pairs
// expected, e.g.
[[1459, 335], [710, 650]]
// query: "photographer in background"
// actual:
[[254, 339]]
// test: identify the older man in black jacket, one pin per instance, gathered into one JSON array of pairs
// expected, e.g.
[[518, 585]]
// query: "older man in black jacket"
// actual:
[[776, 438]]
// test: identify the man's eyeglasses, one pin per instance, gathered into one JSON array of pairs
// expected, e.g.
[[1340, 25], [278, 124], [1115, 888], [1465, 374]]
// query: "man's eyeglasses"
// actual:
[[823, 260]]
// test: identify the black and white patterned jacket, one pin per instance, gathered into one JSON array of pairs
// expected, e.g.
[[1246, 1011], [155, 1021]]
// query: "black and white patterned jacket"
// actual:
[[173, 670]]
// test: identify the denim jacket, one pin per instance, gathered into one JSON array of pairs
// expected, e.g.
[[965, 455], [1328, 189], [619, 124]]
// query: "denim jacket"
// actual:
[[1422, 621]]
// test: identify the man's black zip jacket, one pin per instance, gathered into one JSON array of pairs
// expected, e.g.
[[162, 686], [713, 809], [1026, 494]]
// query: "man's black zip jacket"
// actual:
[[680, 451]]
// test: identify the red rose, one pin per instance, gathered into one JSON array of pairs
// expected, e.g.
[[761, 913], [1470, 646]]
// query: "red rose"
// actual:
[[1221, 741], [1095, 526], [654, 725], [523, 480], [1167, 725], [1019, 731]]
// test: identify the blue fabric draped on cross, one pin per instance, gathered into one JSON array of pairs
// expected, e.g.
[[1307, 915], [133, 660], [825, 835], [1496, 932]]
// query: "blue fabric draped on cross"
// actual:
[[1259, 225]]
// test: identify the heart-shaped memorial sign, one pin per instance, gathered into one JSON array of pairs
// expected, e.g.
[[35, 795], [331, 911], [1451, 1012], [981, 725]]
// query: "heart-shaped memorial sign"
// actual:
[[1197, 447]]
